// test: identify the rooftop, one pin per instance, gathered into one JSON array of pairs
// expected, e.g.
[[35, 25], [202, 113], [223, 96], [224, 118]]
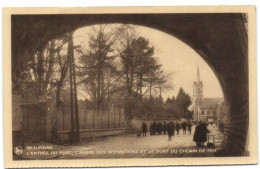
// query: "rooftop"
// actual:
[[209, 103]]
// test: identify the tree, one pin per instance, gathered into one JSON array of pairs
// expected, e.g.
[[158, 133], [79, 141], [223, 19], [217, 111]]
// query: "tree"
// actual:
[[190, 115], [183, 102], [99, 73], [140, 69], [116, 60], [36, 76], [61, 68], [145, 63], [171, 108], [42, 69], [48, 71]]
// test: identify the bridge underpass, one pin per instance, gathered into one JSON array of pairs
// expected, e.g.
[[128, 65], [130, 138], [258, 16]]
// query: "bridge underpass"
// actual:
[[220, 39]]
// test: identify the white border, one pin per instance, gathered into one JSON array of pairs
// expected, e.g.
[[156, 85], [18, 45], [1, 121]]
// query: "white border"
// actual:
[[79, 3]]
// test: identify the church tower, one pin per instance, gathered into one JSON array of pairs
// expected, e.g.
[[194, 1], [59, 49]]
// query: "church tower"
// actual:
[[197, 96]]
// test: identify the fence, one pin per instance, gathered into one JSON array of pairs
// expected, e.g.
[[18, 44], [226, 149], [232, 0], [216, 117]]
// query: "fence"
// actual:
[[93, 123], [215, 138], [33, 120], [94, 119]]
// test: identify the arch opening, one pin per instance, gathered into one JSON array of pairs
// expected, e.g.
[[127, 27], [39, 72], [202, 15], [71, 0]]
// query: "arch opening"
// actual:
[[215, 53]]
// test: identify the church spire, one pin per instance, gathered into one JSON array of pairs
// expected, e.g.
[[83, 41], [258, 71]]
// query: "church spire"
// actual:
[[198, 74]]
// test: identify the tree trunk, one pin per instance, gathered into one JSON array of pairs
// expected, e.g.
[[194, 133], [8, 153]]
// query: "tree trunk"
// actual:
[[128, 114], [137, 84], [40, 71], [102, 97], [150, 88], [119, 121], [94, 119], [141, 85], [99, 95], [114, 116], [63, 74], [108, 116], [49, 70], [85, 117], [54, 134]]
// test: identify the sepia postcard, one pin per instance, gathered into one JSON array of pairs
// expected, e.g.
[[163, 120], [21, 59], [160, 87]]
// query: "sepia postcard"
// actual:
[[129, 86]]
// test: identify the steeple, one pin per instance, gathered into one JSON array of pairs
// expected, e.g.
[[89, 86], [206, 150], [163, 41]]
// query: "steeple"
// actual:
[[198, 74], [197, 95]]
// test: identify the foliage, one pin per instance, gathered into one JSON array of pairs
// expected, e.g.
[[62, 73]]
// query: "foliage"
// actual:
[[183, 101], [114, 66]]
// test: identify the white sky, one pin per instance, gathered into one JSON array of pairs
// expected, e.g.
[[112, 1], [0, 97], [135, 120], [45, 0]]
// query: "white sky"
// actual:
[[177, 57]]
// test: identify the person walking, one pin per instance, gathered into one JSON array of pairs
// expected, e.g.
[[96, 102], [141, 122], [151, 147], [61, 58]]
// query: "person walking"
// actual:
[[151, 132], [184, 127], [164, 127], [151, 128], [177, 128], [155, 128], [159, 128], [170, 130], [189, 127], [197, 134], [144, 129], [173, 128]]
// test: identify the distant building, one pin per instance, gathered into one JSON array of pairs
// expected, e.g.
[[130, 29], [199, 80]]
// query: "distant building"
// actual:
[[204, 109]]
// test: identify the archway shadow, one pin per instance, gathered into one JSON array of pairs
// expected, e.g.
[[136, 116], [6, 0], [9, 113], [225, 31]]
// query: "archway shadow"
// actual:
[[220, 39]]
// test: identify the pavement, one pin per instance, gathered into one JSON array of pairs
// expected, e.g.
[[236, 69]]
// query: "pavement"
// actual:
[[126, 146]]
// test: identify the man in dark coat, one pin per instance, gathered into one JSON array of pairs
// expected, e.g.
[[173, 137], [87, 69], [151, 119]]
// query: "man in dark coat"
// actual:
[[184, 127], [164, 127], [189, 127], [173, 128], [170, 128], [144, 129], [160, 128], [177, 128], [154, 128], [151, 129]]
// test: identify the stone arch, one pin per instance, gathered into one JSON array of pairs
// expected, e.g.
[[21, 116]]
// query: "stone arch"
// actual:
[[220, 39]]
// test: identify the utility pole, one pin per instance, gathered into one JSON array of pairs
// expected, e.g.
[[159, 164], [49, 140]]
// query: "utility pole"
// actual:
[[75, 92], [70, 49]]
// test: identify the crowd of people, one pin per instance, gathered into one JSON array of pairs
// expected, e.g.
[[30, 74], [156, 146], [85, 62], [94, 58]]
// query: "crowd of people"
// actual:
[[159, 128], [169, 128]]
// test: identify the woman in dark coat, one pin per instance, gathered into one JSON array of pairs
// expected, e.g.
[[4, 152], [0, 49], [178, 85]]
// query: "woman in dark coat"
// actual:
[[197, 133], [200, 134], [204, 132]]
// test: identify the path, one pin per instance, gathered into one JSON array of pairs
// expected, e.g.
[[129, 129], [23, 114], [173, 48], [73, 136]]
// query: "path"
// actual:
[[128, 146]]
